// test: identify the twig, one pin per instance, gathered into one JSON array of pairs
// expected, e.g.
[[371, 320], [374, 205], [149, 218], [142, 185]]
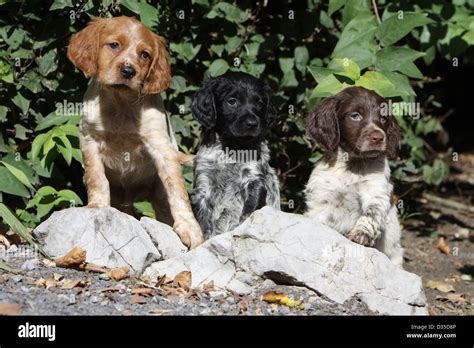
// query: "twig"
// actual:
[[93, 268], [447, 202], [376, 11]]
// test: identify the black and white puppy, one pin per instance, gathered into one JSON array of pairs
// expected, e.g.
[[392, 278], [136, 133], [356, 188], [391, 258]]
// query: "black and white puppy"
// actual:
[[350, 188], [232, 175]]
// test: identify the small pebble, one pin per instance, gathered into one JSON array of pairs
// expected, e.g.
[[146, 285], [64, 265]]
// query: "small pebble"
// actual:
[[30, 265]]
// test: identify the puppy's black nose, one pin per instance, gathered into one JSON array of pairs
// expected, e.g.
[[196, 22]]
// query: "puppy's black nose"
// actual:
[[128, 72], [251, 123]]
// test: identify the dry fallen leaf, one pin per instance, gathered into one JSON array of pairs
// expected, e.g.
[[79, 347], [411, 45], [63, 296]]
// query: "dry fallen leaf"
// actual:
[[70, 284], [453, 298], [4, 242], [48, 263], [442, 246], [183, 280], [142, 291], [10, 309], [118, 273], [137, 299], [443, 287], [282, 299], [72, 259], [208, 286], [164, 279], [431, 311], [58, 277]]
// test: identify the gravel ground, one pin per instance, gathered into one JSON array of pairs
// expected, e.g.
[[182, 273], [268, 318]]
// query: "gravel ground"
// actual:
[[95, 296]]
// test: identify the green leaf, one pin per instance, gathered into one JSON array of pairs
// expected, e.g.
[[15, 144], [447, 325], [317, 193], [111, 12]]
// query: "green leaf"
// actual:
[[375, 81], [21, 102], [218, 67], [350, 67], [7, 268], [398, 59], [148, 14], [11, 185], [37, 144], [229, 11], [65, 148], [186, 51], [328, 87], [286, 64], [18, 174], [289, 79], [335, 5], [3, 113], [60, 4], [70, 196], [354, 8], [357, 41], [47, 63], [397, 26], [401, 85], [54, 119], [301, 58], [320, 73]]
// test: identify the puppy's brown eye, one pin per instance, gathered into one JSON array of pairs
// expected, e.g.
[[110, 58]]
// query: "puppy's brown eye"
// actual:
[[232, 101], [114, 45], [145, 55], [355, 116]]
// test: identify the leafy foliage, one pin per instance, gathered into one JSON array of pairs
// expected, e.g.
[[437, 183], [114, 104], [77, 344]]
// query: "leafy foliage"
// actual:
[[306, 50]]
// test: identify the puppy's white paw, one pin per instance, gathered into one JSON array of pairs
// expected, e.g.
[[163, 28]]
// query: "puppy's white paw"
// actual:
[[189, 232], [361, 237]]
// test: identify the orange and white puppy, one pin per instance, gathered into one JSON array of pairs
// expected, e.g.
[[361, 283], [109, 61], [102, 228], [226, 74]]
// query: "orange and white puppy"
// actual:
[[127, 143]]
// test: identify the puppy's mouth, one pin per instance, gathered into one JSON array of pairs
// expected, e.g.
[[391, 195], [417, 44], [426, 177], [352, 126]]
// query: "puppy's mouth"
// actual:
[[119, 86]]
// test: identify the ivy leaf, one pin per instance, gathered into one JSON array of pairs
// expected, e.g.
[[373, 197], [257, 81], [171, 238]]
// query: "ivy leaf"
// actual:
[[218, 67], [375, 81], [301, 58], [21, 102], [397, 26], [328, 87], [335, 5], [399, 59], [186, 51], [47, 63], [350, 67], [357, 41]]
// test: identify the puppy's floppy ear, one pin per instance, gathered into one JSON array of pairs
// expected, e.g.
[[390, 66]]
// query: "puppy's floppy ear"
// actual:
[[83, 49], [203, 106], [323, 125], [271, 112], [159, 75], [394, 135]]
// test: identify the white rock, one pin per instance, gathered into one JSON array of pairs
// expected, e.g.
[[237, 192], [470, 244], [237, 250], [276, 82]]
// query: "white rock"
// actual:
[[110, 237], [164, 238], [295, 250]]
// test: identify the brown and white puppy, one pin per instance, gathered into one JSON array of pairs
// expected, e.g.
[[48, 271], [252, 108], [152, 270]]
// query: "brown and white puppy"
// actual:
[[350, 189], [128, 146]]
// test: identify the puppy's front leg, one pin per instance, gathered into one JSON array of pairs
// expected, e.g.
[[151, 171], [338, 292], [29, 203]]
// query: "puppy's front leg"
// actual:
[[98, 191], [255, 195], [367, 228], [166, 160]]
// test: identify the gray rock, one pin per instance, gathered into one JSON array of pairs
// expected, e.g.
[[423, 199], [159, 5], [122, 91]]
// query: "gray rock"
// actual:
[[110, 237], [295, 250], [165, 239], [30, 264]]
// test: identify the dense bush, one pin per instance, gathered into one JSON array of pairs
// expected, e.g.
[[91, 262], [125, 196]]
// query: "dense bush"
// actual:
[[306, 50]]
